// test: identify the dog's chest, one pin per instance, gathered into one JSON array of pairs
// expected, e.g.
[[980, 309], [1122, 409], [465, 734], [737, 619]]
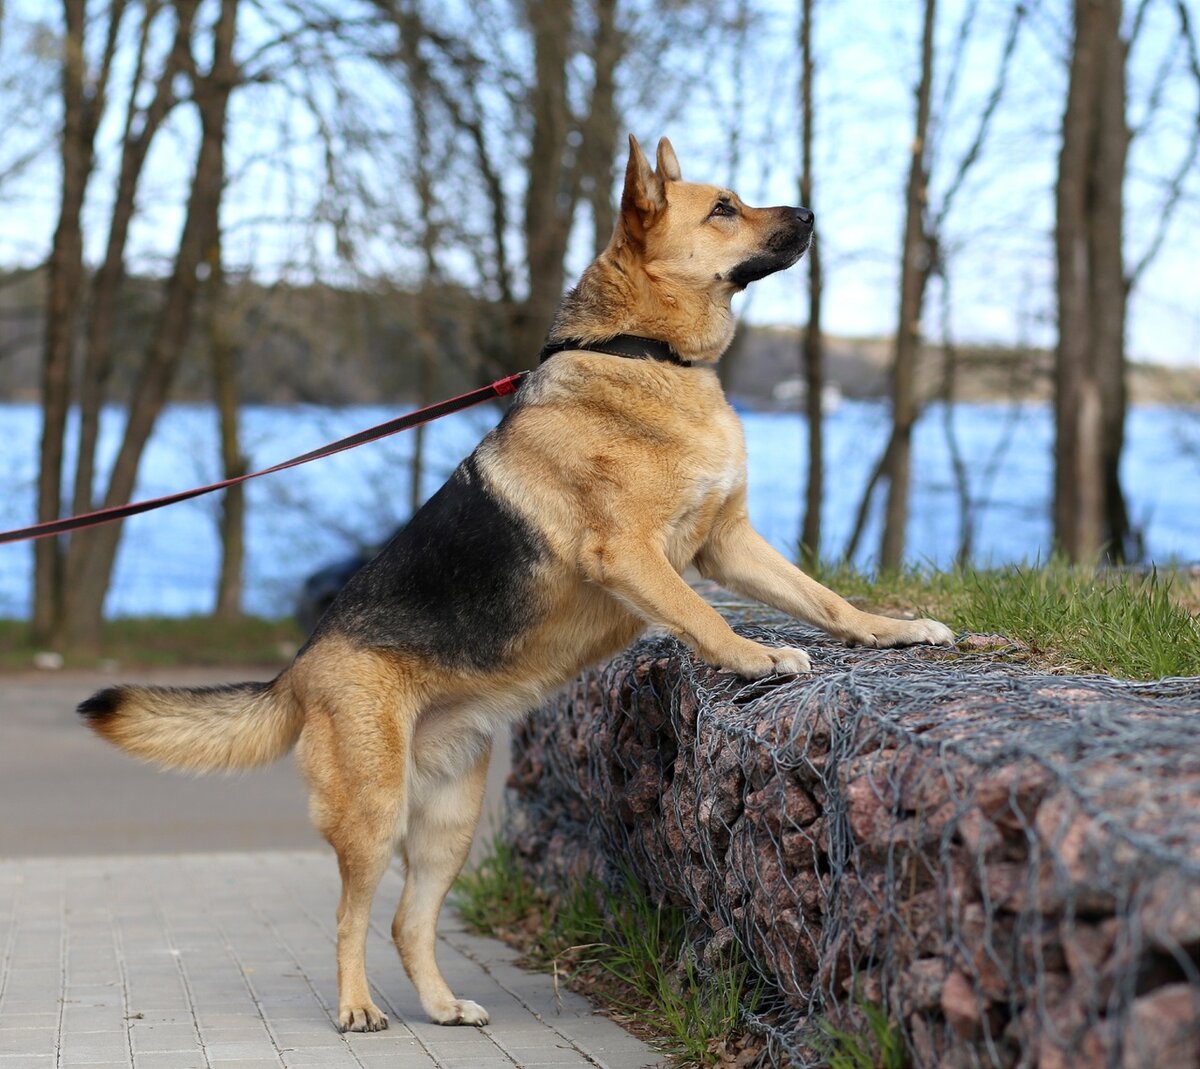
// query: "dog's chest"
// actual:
[[715, 484], [707, 481]]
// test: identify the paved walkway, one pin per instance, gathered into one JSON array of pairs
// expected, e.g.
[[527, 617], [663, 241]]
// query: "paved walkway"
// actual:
[[153, 956], [226, 960]]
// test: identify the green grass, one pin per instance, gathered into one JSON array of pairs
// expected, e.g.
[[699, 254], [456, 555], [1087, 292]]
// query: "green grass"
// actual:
[[1075, 618], [494, 896], [634, 956], [879, 1046], [152, 641]]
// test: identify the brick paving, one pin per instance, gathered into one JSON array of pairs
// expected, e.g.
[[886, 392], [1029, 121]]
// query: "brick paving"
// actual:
[[192, 961]]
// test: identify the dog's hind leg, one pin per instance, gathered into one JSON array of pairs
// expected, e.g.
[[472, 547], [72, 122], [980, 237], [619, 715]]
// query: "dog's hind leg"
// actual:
[[354, 753], [442, 815], [362, 861]]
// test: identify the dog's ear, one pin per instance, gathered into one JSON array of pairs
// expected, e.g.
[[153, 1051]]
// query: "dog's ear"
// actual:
[[668, 162], [643, 196]]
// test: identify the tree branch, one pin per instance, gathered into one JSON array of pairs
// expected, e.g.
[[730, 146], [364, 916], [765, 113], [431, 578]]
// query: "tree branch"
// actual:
[[1178, 180]]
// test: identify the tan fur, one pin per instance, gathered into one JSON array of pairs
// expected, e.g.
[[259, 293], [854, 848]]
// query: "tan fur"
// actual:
[[629, 471], [204, 730]]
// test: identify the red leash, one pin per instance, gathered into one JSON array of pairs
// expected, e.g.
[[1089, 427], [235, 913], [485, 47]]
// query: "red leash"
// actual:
[[499, 388]]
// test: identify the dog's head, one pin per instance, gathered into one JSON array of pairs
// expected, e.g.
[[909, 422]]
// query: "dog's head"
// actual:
[[703, 237]]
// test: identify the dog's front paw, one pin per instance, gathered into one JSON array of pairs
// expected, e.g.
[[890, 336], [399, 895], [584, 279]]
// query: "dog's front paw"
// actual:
[[458, 1011], [752, 661], [789, 661], [368, 1018], [931, 631], [883, 631]]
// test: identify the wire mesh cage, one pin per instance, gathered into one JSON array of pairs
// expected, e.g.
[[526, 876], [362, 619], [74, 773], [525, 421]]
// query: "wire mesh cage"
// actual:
[[1005, 862]]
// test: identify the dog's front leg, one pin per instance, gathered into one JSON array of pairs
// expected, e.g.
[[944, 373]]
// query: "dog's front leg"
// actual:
[[638, 573], [738, 557]]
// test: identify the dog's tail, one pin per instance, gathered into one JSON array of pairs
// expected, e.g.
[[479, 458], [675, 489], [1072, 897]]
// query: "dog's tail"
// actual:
[[201, 729]]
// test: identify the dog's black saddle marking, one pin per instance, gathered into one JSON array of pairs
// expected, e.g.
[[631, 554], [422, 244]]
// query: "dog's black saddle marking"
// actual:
[[630, 345], [454, 585]]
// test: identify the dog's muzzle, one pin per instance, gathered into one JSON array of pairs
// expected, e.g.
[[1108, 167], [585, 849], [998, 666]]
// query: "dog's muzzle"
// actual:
[[785, 244]]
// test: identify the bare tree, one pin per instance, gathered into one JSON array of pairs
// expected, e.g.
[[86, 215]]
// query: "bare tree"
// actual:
[[917, 253], [84, 93], [916, 264], [810, 537], [597, 172], [92, 553], [923, 256], [231, 524], [1089, 508], [1091, 517], [141, 125], [541, 143], [30, 74], [1186, 43], [551, 179], [420, 93], [26, 83]]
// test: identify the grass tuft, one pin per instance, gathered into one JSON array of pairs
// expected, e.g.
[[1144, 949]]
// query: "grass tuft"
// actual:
[[879, 1046], [495, 896], [1127, 624], [632, 955]]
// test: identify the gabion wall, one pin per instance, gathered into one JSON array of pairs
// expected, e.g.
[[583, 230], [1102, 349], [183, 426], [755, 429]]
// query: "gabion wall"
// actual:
[[1007, 861]]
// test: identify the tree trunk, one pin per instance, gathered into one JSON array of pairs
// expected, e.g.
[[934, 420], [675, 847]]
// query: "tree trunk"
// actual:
[[81, 114], [140, 128], [814, 377], [600, 133], [738, 29], [232, 522], [65, 274], [90, 562], [547, 216], [916, 261], [419, 87], [1089, 508]]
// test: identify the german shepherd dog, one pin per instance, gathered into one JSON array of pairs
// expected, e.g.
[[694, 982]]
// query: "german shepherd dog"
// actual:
[[553, 545]]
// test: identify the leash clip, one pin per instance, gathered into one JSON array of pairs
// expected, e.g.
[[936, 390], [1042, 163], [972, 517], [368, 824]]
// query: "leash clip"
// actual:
[[508, 384]]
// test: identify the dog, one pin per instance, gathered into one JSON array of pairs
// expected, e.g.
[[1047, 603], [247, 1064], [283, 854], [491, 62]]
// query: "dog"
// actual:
[[553, 545]]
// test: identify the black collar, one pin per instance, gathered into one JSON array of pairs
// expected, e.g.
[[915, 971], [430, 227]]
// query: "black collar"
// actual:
[[630, 345]]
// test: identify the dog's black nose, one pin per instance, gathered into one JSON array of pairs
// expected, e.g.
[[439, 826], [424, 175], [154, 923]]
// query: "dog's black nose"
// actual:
[[805, 216]]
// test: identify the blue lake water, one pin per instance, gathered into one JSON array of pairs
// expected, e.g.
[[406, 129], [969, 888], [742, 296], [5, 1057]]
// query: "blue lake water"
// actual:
[[302, 519]]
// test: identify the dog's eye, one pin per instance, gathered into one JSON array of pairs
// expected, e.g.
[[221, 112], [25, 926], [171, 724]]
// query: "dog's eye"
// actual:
[[722, 207]]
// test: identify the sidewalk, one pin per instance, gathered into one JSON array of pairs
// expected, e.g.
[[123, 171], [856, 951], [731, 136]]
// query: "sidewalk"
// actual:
[[175, 961], [153, 958]]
